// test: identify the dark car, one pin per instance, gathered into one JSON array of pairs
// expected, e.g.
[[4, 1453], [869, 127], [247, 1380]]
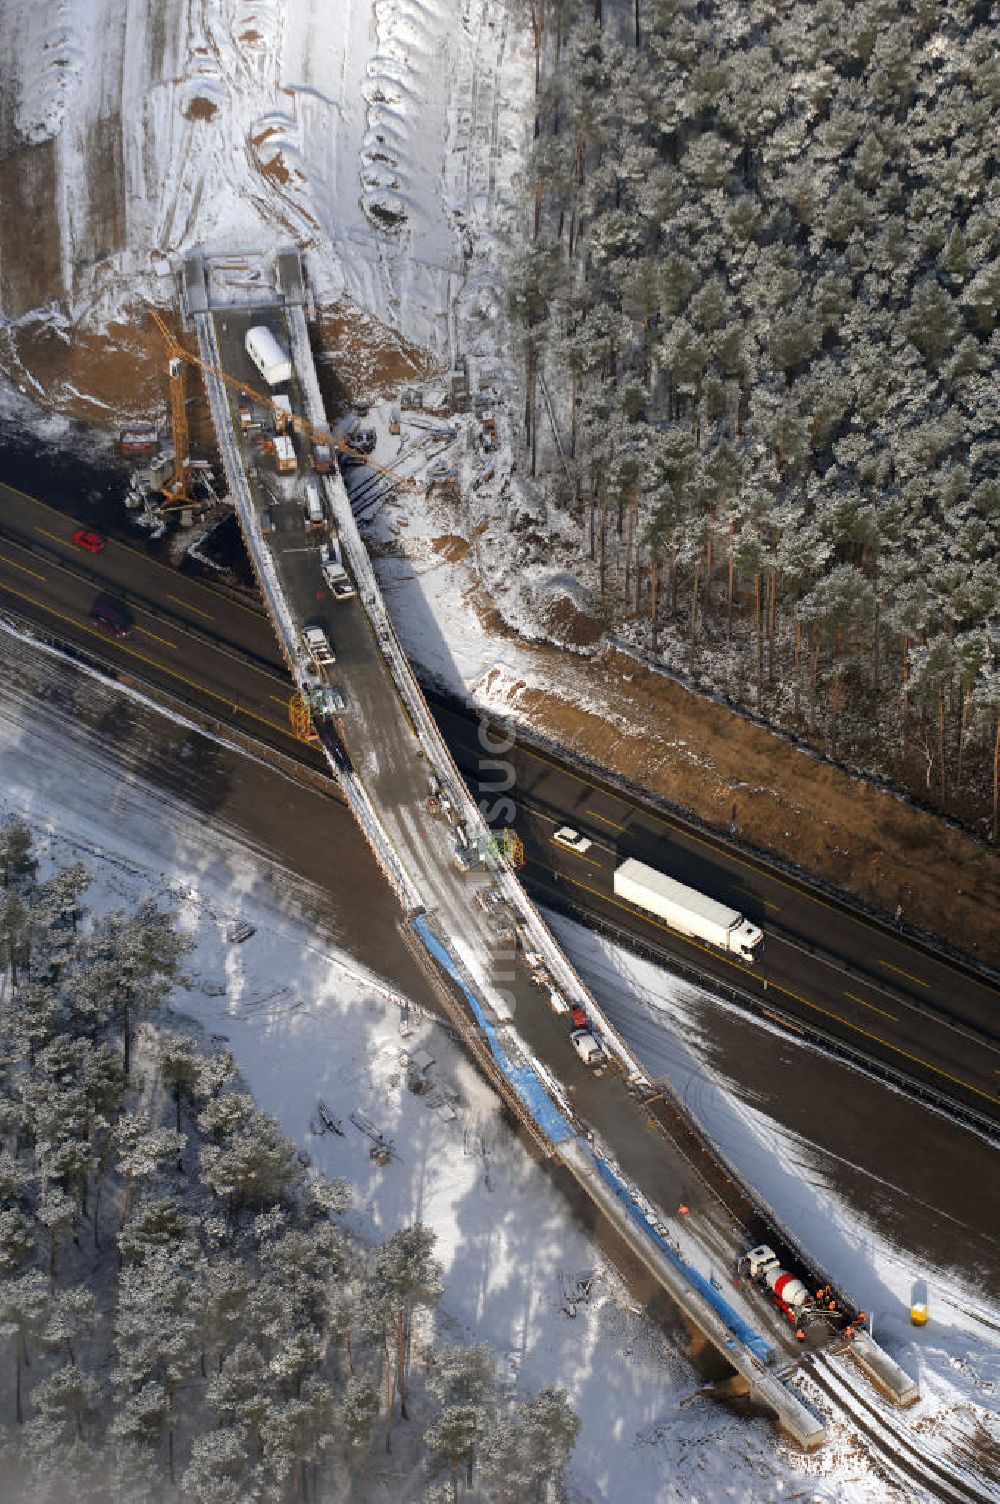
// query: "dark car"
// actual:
[[112, 617], [92, 542], [363, 440]]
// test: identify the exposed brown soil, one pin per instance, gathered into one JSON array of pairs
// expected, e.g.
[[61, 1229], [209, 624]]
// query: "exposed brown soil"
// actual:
[[695, 753], [711, 761], [566, 623], [201, 108], [101, 377], [359, 357], [103, 231], [275, 168], [30, 219], [451, 547], [108, 378]]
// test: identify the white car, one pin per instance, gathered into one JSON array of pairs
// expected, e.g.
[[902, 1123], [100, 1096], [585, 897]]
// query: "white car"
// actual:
[[572, 840], [318, 645], [586, 1047]]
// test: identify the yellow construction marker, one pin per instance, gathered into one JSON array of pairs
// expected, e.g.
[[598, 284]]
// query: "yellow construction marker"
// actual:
[[598, 816], [139, 554], [203, 689], [147, 633], [579, 854], [714, 846]]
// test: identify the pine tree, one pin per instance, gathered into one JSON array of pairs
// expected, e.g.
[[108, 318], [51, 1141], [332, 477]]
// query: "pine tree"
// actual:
[[24, 1308], [18, 865], [405, 1277]]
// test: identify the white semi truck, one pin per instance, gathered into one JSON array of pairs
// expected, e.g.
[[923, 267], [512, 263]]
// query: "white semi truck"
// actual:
[[268, 356], [686, 910]]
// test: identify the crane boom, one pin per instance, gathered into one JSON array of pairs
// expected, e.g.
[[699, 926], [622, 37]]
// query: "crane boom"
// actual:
[[313, 432], [177, 492]]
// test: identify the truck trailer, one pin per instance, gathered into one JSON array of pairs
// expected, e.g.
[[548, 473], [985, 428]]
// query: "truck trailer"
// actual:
[[268, 356], [686, 910]]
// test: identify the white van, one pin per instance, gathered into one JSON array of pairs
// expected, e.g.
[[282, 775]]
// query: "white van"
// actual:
[[315, 516]]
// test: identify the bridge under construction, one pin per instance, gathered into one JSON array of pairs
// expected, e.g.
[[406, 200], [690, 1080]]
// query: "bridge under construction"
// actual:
[[502, 979]]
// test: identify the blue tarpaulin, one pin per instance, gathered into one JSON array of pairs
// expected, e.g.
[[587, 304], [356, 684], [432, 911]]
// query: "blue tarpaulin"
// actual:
[[525, 1081], [734, 1321]]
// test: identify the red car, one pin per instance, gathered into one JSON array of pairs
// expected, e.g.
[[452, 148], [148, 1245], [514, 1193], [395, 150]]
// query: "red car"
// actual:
[[92, 542]]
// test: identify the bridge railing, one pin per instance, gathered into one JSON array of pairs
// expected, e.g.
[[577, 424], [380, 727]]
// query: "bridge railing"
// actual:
[[284, 624], [426, 728]]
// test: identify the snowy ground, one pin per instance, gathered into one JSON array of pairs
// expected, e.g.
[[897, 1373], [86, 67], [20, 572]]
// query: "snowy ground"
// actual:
[[367, 131], [307, 1021]]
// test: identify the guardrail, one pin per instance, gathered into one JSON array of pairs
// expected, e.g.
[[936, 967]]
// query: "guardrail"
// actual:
[[287, 634], [430, 738]]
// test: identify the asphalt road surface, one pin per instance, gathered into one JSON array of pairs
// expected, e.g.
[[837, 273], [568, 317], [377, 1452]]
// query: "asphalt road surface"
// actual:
[[839, 975]]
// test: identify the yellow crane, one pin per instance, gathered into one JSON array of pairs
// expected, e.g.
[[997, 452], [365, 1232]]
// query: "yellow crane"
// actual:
[[177, 491], [178, 417]]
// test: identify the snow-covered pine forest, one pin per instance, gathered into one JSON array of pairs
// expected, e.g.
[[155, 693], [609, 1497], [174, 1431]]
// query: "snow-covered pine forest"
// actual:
[[182, 1314], [759, 326]]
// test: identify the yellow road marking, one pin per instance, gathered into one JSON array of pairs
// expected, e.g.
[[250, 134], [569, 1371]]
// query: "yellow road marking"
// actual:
[[82, 626], [588, 859], [901, 973], [787, 991], [188, 607], [279, 701], [598, 816], [147, 633], [872, 1006], [59, 537], [114, 543], [769, 905], [718, 850], [22, 567]]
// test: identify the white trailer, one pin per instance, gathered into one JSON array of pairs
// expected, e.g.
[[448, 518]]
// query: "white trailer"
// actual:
[[686, 910], [268, 356]]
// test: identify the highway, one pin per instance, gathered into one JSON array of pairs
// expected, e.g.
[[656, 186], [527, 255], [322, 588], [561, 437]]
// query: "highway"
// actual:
[[852, 981], [473, 924]]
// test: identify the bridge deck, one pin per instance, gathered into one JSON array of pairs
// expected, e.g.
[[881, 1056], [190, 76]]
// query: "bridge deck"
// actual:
[[607, 1116]]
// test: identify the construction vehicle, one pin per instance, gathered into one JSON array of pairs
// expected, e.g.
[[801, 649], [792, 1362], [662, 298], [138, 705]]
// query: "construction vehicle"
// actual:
[[316, 435], [300, 718], [176, 491], [284, 455], [335, 576], [318, 645], [762, 1265], [586, 1047], [314, 514]]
